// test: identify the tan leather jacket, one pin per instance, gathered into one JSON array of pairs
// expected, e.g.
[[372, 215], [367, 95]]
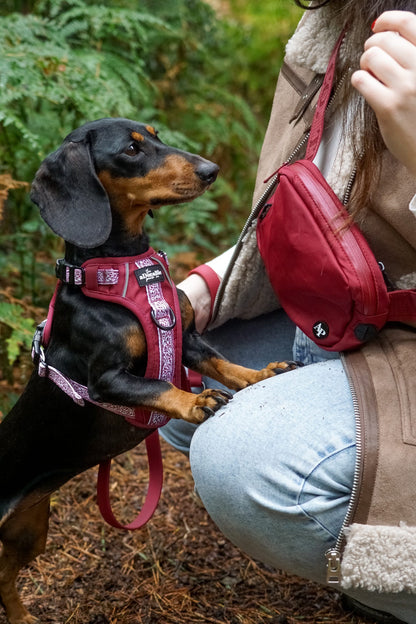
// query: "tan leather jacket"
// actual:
[[376, 549]]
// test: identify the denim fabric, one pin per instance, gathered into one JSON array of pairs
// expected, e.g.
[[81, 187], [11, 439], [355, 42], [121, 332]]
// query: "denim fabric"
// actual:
[[275, 467], [274, 483], [307, 352], [253, 343]]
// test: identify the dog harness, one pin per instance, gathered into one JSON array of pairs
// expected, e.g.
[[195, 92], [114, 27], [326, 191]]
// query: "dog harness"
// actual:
[[143, 285]]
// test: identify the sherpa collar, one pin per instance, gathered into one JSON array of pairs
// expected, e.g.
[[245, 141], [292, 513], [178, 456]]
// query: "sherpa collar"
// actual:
[[314, 39]]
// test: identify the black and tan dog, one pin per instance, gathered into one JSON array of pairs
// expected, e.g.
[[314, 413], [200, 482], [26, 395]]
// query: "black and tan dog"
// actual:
[[95, 192]]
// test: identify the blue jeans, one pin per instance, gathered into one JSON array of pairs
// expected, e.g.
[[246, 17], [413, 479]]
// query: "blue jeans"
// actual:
[[274, 467]]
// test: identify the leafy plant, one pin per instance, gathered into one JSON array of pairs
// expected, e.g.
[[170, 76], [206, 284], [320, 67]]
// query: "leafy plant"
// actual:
[[200, 79], [69, 61], [18, 328]]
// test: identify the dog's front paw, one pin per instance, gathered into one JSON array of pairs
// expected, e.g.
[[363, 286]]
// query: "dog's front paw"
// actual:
[[283, 367], [207, 403], [272, 369]]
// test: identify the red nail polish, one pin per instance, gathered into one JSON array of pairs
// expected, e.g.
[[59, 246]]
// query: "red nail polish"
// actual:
[[373, 24]]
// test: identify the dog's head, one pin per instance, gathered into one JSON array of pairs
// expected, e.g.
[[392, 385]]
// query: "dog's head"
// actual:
[[114, 165]]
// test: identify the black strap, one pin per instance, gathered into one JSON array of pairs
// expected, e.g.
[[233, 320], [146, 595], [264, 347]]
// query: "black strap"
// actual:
[[69, 273]]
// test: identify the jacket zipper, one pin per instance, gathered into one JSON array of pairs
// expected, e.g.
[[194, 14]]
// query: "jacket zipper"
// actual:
[[270, 187], [333, 555], [350, 184]]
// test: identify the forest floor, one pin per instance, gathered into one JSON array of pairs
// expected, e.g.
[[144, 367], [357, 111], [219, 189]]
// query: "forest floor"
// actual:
[[179, 569]]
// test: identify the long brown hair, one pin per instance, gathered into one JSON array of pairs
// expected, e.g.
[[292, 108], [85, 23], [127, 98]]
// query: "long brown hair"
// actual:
[[368, 143]]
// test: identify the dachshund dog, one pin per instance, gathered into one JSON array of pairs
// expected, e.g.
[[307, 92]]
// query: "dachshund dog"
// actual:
[[95, 191]]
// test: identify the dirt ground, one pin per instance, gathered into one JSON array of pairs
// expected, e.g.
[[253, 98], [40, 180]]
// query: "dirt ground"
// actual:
[[178, 569]]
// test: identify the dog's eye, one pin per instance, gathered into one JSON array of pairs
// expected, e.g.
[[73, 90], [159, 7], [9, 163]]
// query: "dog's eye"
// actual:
[[132, 150]]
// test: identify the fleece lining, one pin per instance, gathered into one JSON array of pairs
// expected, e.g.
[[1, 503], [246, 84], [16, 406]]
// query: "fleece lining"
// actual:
[[380, 558]]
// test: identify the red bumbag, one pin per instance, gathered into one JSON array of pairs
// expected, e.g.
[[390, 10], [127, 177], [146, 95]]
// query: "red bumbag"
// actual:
[[319, 263]]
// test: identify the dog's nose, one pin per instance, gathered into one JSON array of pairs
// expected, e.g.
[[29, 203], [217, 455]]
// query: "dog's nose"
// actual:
[[208, 172]]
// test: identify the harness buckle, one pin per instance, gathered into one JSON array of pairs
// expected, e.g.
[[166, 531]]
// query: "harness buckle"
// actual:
[[69, 273]]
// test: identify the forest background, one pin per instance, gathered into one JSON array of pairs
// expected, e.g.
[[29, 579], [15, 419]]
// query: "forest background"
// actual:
[[202, 73]]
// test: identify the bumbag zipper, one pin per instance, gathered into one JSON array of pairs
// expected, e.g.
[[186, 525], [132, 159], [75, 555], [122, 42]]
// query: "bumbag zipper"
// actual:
[[359, 262]]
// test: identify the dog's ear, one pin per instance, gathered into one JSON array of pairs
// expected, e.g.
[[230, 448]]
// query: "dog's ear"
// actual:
[[70, 196]]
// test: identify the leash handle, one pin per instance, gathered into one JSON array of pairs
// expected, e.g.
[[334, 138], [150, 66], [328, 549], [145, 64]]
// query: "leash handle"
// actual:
[[317, 127], [154, 456]]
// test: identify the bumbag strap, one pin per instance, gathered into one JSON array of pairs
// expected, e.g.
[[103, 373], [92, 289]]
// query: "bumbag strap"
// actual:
[[402, 306], [325, 93], [153, 493]]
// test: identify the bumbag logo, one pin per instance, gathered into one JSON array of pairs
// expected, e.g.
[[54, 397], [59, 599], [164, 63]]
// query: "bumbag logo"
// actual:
[[320, 330]]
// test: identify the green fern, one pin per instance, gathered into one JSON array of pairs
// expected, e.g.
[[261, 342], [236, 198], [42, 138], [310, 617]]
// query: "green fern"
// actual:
[[20, 329], [206, 83], [171, 63]]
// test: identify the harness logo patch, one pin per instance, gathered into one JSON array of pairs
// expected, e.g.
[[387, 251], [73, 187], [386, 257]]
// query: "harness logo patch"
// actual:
[[320, 330], [149, 275]]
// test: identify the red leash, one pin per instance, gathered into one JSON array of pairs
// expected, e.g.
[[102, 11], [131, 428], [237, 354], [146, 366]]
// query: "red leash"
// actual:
[[143, 285], [154, 456]]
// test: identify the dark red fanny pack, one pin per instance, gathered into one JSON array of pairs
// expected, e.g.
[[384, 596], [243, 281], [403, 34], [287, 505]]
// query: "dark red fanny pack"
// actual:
[[319, 264]]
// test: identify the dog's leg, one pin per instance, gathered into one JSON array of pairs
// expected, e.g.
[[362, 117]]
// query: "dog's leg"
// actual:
[[238, 377], [201, 357], [23, 537]]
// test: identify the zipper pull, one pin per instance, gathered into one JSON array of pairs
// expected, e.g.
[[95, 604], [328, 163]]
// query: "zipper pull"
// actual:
[[264, 211], [333, 567]]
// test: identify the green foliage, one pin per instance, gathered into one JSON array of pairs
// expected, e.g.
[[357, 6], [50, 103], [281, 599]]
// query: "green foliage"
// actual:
[[264, 28], [165, 63], [18, 328], [64, 65], [206, 82]]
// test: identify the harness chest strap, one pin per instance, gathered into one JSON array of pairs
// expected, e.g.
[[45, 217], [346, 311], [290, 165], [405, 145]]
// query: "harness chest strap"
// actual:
[[143, 285]]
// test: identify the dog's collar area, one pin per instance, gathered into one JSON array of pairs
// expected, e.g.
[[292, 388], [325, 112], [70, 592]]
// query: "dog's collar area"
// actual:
[[69, 273], [106, 276], [75, 275]]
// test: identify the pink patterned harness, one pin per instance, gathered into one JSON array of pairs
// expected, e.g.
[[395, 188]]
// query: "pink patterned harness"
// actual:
[[143, 285]]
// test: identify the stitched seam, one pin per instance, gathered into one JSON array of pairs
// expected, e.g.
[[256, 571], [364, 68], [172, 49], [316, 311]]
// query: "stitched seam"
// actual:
[[313, 518]]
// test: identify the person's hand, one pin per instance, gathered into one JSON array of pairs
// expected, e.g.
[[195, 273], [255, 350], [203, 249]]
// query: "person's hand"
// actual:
[[387, 80]]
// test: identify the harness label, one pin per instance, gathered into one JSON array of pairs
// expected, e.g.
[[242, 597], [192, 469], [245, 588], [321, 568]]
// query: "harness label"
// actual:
[[149, 275]]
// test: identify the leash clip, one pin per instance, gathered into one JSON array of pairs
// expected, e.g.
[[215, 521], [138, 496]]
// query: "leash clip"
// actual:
[[159, 324], [36, 351]]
